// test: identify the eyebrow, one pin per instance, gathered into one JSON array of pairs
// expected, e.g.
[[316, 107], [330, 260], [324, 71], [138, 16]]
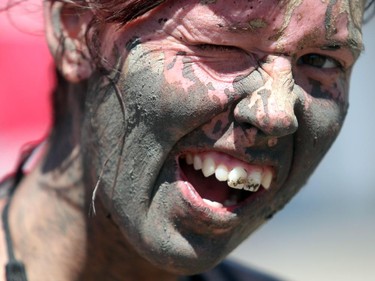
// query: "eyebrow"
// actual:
[[351, 44], [356, 47]]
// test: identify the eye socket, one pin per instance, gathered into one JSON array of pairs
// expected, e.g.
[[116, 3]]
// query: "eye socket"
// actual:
[[221, 62], [319, 61]]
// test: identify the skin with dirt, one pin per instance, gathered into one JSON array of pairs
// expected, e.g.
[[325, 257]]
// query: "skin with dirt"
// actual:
[[219, 88], [259, 82]]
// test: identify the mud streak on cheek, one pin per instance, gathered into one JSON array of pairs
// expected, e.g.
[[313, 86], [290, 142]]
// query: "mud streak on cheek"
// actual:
[[336, 91], [173, 71], [183, 72], [216, 127]]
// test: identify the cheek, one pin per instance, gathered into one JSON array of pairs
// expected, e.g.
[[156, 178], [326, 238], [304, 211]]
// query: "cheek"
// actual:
[[196, 77], [333, 86], [320, 119], [319, 124], [326, 119], [169, 95]]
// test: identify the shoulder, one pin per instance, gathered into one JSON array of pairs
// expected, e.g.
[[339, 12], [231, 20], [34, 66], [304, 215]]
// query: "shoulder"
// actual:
[[232, 271]]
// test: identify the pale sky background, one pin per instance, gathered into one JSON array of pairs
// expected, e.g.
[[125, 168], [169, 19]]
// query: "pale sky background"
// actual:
[[327, 232]]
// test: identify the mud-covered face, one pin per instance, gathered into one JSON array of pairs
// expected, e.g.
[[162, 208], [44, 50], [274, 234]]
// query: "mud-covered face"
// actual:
[[218, 114]]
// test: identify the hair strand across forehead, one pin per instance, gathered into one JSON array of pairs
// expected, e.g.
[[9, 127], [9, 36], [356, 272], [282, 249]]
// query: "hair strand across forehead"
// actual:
[[117, 11]]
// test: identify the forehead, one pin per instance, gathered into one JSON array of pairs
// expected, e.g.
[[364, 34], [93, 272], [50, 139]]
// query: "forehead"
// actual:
[[279, 21], [242, 11]]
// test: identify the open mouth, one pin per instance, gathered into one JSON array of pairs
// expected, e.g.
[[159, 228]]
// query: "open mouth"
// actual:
[[223, 181]]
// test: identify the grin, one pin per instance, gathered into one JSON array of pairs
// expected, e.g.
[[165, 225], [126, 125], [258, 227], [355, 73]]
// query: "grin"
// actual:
[[223, 181]]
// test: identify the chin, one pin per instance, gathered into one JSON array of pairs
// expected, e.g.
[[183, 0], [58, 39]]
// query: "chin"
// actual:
[[183, 259]]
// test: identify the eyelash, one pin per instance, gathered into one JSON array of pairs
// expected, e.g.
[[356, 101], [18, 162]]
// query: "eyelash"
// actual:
[[209, 47], [324, 60]]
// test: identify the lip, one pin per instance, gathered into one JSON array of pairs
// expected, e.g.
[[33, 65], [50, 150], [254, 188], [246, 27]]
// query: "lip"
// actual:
[[220, 220], [224, 214]]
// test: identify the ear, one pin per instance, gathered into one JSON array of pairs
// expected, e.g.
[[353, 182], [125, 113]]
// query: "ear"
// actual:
[[66, 26]]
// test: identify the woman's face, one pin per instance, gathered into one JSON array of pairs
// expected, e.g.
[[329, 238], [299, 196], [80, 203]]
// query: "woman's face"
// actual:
[[255, 92]]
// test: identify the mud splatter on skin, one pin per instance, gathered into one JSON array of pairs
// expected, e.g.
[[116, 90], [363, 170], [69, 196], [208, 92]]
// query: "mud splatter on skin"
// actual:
[[313, 36], [330, 27], [252, 25], [180, 97], [290, 6], [350, 13], [257, 23]]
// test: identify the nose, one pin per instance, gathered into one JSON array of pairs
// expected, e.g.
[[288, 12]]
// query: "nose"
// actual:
[[270, 108]]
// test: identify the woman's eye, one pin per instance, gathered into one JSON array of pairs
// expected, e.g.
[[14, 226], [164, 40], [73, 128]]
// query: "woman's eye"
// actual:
[[212, 47], [319, 61]]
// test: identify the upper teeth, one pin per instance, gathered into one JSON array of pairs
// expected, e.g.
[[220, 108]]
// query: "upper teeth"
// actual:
[[237, 175]]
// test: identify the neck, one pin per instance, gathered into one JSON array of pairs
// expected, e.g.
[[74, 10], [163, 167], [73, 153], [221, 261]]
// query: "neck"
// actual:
[[46, 220], [110, 257]]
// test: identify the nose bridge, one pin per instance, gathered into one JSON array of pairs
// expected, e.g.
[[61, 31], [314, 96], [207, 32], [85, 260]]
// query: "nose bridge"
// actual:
[[271, 107]]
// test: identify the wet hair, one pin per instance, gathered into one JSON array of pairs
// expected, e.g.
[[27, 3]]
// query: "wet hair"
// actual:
[[115, 11]]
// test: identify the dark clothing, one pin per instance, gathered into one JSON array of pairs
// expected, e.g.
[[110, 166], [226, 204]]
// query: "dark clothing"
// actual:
[[231, 271]]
